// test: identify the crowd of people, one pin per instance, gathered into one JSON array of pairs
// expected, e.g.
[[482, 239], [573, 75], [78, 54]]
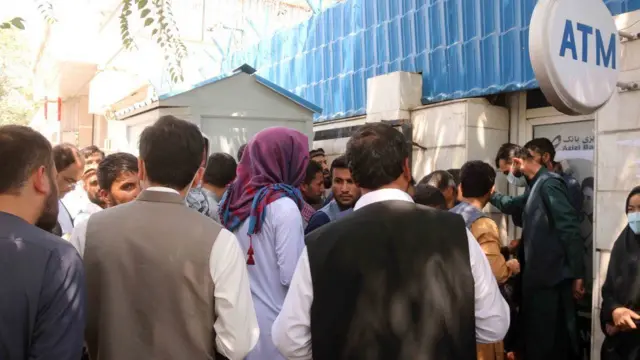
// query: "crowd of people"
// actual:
[[182, 254]]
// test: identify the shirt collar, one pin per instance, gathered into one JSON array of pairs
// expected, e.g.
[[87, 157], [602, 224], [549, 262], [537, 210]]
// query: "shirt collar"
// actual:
[[381, 195], [162, 189]]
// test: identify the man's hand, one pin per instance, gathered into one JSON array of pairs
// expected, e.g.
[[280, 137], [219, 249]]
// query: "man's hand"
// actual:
[[611, 330], [578, 289], [514, 266], [624, 319], [513, 245]]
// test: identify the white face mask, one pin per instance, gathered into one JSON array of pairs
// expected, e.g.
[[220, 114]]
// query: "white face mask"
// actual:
[[634, 222], [516, 181]]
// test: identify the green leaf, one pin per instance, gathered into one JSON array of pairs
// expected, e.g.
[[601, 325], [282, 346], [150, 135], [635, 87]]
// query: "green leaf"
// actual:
[[144, 13], [141, 4], [18, 22], [148, 22], [5, 25], [154, 32]]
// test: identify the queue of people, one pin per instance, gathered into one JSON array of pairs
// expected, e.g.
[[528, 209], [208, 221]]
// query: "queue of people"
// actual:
[[178, 254]]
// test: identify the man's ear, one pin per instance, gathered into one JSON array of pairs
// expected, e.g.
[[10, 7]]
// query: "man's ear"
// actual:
[[41, 181], [406, 169], [142, 171], [104, 197]]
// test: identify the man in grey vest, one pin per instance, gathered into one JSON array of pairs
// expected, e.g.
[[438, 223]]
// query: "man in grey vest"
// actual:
[[164, 281], [553, 263], [345, 194]]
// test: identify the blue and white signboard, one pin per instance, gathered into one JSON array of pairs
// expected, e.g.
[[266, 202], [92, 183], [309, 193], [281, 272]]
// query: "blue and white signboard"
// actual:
[[575, 53]]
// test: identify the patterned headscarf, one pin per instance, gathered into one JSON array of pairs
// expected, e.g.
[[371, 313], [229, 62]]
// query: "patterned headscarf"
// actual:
[[273, 166]]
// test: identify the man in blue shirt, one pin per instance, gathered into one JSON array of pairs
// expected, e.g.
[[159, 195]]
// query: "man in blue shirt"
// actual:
[[345, 194], [42, 289]]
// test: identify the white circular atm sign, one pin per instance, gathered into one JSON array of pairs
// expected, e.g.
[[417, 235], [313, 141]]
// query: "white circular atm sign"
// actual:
[[575, 53]]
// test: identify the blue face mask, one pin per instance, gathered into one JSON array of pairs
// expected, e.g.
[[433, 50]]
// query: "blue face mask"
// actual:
[[634, 222], [519, 181]]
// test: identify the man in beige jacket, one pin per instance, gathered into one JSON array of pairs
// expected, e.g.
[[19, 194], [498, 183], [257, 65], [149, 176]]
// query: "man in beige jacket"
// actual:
[[477, 181]]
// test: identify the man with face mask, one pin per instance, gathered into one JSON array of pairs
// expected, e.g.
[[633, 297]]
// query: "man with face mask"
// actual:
[[42, 276], [156, 264], [544, 153], [553, 263]]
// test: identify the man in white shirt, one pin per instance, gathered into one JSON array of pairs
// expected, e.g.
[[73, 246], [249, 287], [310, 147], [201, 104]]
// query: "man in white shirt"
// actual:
[[164, 281], [70, 166], [392, 280], [77, 200]]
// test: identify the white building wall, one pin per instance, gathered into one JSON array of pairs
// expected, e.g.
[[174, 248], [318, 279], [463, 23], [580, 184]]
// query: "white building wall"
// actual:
[[618, 163]]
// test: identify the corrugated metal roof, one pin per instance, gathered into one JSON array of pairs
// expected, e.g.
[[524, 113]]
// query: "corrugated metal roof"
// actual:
[[463, 48], [244, 68]]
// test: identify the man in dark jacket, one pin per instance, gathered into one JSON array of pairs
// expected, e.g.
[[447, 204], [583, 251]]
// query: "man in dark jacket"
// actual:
[[553, 266], [393, 279], [41, 275]]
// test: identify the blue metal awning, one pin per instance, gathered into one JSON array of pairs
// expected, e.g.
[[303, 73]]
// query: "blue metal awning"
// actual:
[[462, 48]]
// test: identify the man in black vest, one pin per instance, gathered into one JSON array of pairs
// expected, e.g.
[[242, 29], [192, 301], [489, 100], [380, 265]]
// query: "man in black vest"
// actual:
[[553, 265], [392, 280]]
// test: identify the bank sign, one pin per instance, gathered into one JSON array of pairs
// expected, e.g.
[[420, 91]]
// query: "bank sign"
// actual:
[[574, 49]]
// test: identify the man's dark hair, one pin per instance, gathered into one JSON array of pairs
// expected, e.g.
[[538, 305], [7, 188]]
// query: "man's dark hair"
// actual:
[[431, 196], [313, 169], [91, 150], [113, 166], [541, 146], [339, 163], [476, 178], [506, 152], [316, 152], [588, 182], [65, 155], [23, 151], [440, 179], [241, 151], [221, 170], [523, 152], [171, 150], [455, 173], [376, 154]]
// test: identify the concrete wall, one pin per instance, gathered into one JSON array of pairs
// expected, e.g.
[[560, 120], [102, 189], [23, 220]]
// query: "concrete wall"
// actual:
[[618, 159], [452, 133]]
